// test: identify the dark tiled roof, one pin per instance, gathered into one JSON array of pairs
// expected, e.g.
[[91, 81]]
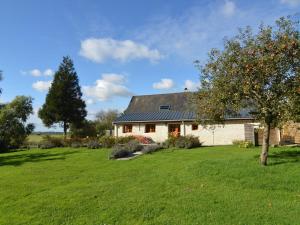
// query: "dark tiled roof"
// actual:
[[156, 116], [152, 103], [146, 108]]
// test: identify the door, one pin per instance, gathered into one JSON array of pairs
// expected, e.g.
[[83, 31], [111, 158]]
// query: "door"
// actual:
[[174, 130]]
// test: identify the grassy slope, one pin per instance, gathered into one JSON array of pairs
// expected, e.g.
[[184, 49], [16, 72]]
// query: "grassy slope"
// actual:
[[211, 185]]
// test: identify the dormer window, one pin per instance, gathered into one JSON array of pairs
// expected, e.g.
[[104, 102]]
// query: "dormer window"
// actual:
[[164, 107]]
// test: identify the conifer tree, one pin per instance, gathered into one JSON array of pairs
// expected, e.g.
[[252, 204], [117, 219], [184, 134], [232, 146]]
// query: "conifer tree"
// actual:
[[63, 102]]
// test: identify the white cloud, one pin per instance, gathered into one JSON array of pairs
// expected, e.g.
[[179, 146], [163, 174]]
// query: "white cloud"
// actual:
[[48, 72], [89, 101], [99, 50], [191, 86], [164, 83], [38, 72], [42, 85], [110, 85], [292, 3], [228, 8], [35, 72]]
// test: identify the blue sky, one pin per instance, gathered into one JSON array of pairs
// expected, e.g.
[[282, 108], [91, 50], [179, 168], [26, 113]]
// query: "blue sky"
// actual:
[[119, 48]]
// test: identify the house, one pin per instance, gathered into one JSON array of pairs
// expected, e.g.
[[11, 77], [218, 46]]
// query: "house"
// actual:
[[158, 116]]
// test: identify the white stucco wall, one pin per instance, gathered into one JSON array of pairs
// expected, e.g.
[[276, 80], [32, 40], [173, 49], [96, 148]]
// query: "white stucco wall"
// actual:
[[215, 135], [160, 135], [218, 134]]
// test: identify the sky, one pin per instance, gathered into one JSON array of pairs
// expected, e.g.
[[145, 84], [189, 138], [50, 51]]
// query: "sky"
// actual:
[[119, 48]]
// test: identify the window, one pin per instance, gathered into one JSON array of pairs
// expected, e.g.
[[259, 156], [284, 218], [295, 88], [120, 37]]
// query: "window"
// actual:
[[194, 126], [164, 107], [150, 128], [127, 128]]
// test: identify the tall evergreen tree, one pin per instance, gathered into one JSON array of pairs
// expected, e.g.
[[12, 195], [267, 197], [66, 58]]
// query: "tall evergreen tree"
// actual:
[[63, 102]]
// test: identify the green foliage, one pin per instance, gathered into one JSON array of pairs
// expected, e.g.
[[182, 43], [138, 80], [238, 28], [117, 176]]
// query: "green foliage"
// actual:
[[104, 120], [63, 102], [51, 142], [124, 140], [187, 142], [107, 141], [133, 146], [148, 149], [170, 142], [119, 151], [86, 129], [13, 127], [260, 72], [243, 143], [257, 72], [93, 143]]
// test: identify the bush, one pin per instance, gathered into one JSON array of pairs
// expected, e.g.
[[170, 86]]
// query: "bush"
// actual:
[[192, 142], [148, 149], [119, 151], [93, 144], [124, 140], [46, 144], [107, 141], [180, 142], [133, 146], [170, 142], [243, 143], [73, 142], [187, 142], [143, 139], [76, 144], [51, 142]]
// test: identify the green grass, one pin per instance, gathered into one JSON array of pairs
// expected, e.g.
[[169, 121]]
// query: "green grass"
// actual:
[[209, 185]]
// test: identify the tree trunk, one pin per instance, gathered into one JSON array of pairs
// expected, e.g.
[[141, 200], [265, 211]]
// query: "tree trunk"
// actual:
[[265, 146], [65, 130]]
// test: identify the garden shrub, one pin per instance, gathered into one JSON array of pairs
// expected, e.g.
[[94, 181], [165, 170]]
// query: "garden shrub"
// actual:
[[187, 142], [119, 151], [107, 141], [192, 142], [180, 142], [148, 149], [133, 146], [170, 142], [124, 140], [143, 139], [51, 142], [93, 144], [76, 144], [243, 143]]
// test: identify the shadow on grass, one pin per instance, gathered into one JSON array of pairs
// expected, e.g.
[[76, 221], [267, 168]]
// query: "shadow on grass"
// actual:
[[283, 157], [19, 159]]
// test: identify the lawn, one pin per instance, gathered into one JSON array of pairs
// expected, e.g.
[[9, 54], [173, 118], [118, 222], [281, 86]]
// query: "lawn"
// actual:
[[209, 185]]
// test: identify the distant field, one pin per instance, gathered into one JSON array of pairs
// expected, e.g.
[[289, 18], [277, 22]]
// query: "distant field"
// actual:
[[208, 185], [37, 138]]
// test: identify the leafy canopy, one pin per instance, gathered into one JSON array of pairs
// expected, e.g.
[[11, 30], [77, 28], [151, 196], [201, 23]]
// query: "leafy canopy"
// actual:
[[260, 72], [13, 117]]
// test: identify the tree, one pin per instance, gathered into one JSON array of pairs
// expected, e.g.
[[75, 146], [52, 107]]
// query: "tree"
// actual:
[[259, 72], [63, 102], [13, 127], [86, 129], [104, 120]]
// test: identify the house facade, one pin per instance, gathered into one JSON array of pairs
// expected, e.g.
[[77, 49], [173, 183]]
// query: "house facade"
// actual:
[[158, 116]]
